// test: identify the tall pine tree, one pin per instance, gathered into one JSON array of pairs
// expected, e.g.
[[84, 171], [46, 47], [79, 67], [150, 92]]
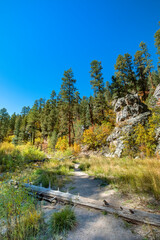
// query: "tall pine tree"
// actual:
[[99, 91], [67, 100]]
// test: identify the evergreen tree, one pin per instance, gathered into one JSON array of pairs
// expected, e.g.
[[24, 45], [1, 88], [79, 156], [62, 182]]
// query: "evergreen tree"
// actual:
[[155, 78], [12, 124], [157, 43], [99, 90], [143, 65], [4, 123], [129, 73], [116, 88], [77, 106], [25, 111], [24, 134], [67, 100], [16, 139], [124, 73], [107, 92], [85, 113], [90, 110], [49, 116], [33, 124]]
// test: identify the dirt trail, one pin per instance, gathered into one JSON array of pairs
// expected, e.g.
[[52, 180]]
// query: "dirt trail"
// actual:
[[93, 225]]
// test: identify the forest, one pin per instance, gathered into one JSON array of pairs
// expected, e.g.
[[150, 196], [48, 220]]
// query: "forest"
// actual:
[[43, 143], [67, 115]]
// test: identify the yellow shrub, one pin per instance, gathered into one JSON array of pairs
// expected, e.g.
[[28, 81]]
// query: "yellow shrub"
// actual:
[[142, 138], [38, 141], [62, 143], [7, 147], [76, 148], [9, 138], [145, 136], [96, 135]]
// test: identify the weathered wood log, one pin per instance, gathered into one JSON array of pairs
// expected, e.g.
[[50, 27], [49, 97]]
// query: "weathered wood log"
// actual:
[[132, 215], [37, 160]]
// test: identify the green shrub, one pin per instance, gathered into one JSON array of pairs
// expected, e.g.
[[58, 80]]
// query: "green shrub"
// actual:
[[84, 166], [63, 221], [19, 213], [31, 153]]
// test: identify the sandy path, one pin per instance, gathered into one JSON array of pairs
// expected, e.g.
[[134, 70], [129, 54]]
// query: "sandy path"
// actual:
[[93, 225]]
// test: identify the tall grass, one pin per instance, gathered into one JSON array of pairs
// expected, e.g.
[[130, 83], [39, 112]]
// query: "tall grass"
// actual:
[[12, 156], [138, 175]]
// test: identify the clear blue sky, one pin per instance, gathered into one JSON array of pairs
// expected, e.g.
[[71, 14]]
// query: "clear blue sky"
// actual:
[[39, 39]]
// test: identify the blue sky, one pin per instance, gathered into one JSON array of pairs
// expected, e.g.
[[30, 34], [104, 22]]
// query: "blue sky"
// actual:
[[39, 39]]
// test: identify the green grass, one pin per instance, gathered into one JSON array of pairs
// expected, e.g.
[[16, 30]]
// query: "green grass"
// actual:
[[63, 221]]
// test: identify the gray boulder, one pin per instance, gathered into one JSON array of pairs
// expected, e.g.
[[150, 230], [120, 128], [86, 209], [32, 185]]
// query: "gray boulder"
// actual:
[[157, 92], [129, 112]]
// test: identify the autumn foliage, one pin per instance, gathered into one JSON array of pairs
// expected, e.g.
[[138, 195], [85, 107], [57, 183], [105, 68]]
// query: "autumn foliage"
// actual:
[[96, 135]]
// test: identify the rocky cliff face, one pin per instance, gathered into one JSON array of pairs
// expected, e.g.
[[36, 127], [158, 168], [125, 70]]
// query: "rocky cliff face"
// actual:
[[157, 92], [129, 112], [156, 95]]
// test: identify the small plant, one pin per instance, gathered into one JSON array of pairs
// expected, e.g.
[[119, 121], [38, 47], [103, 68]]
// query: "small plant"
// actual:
[[63, 221], [84, 166]]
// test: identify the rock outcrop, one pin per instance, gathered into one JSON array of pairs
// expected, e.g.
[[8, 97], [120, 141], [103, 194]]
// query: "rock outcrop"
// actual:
[[129, 112], [155, 99], [158, 140], [156, 96], [157, 92]]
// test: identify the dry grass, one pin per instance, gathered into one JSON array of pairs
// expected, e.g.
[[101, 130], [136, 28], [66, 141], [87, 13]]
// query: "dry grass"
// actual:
[[138, 175]]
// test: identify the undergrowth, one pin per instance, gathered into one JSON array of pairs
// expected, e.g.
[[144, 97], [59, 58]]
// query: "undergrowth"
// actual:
[[13, 157], [20, 215]]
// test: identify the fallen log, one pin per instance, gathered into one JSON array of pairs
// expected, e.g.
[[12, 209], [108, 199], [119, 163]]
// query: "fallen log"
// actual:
[[132, 215], [37, 160]]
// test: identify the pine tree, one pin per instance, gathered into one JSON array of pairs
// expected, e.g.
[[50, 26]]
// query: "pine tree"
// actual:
[[99, 90], [85, 113], [25, 111], [16, 139], [143, 65], [33, 124], [12, 124], [124, 73], [107, 92], [49, 116], [4, 123], [24, 134], [116, 88], [157, 44], [129, 73], [67, 99]]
